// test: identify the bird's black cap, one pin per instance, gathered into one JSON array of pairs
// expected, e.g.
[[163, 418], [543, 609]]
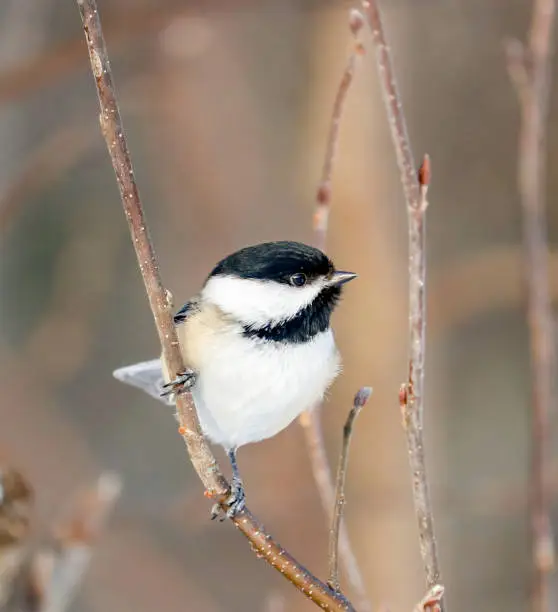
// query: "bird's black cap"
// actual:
[[276, 261]]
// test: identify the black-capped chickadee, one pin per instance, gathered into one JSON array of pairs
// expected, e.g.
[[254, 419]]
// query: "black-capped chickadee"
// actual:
[[259, 344]]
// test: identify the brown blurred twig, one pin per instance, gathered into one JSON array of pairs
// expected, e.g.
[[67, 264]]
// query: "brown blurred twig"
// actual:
[[59, 151], [198, 449], [59, 61], [530, 70], [16, 500], [47, 580], [311, 420], [58, 575], [411, 395], [432, 601], [453, 296], [359, 401]]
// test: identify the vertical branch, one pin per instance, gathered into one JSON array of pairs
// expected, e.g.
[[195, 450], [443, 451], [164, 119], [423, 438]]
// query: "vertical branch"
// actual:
[[360, 400], [411, 395], [311, 420], [198, 449], [530, 71], [323, 194]]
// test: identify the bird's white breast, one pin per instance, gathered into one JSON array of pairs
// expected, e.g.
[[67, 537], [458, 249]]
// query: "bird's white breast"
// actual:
[[248, 390]]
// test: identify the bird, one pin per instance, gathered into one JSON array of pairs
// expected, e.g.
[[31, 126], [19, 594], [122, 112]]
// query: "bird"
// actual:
[[258, 345]]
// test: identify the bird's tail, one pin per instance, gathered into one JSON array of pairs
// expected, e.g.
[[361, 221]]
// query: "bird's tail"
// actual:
[[147, 376]]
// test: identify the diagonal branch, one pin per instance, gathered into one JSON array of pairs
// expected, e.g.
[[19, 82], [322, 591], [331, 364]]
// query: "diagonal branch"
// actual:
[[200, 454], [530, 72], [411, 395]]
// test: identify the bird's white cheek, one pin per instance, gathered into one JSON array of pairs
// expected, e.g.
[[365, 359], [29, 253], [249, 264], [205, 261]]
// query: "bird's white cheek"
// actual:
[[256, 302]]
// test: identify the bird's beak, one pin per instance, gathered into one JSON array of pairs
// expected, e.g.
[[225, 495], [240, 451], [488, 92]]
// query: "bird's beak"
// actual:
[[340, 278]]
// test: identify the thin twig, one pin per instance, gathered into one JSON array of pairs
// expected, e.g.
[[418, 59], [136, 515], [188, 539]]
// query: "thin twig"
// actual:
[[359, 401], [323, 194], [411, 396], [530, 71], [198, 449], [311, 420]]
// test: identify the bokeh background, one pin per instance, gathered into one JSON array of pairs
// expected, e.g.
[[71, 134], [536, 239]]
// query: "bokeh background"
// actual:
[[226, 107]]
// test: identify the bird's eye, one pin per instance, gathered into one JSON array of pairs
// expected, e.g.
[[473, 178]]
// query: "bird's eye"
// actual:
[[298, 280]]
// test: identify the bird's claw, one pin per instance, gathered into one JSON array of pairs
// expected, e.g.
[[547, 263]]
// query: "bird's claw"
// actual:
[[234, 503], [181, 384]]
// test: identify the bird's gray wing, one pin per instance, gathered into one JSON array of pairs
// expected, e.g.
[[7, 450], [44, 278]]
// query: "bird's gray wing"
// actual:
[[148, 375]]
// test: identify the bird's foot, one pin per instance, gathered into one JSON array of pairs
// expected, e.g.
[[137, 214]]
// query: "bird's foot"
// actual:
[[181, 384], [234, 503]]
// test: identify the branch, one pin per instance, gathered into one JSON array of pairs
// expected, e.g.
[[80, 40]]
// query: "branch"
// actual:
[[411, 395], [530, 72], [360, 400], [311, 419], [323, 195], [200, 454]]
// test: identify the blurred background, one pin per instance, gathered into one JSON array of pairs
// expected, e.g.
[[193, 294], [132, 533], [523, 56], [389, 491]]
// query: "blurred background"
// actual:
[[226, 107]]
